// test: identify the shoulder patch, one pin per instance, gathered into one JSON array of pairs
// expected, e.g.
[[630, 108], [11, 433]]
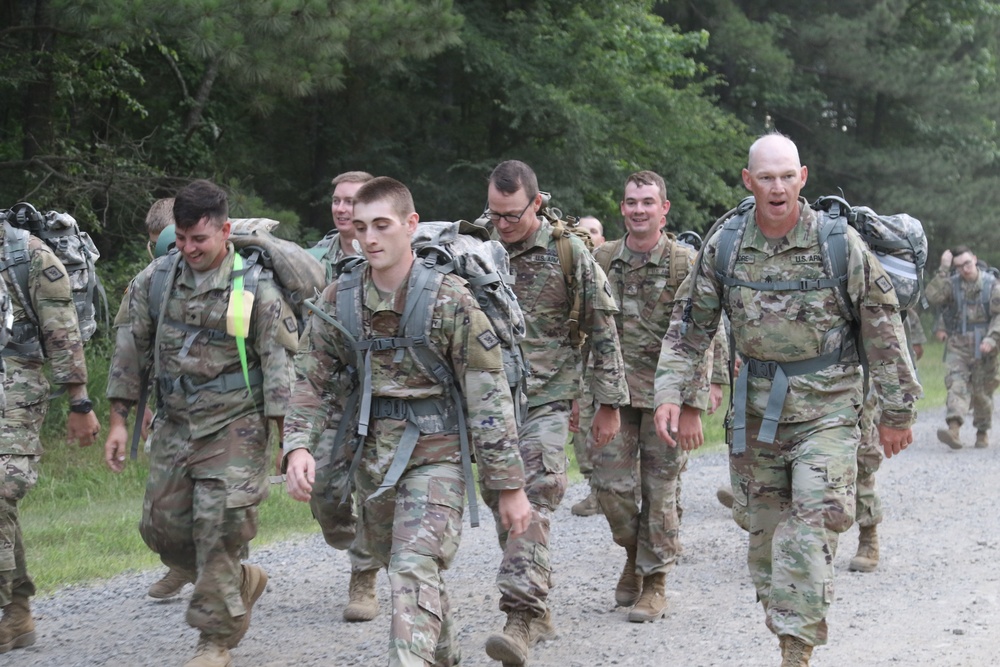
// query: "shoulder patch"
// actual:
[[52, 273], [607, 289], [290, 324], [488, 340], [884, 284]]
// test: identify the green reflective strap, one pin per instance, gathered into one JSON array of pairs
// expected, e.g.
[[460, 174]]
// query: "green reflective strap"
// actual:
[[241, 342]]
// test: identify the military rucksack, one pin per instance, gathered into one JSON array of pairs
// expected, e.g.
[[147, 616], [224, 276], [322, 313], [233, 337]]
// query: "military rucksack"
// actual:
[[74, 249], [297, 275], [466, 250]]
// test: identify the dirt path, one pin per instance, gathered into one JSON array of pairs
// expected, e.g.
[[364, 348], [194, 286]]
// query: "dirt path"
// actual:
[[934, 601]]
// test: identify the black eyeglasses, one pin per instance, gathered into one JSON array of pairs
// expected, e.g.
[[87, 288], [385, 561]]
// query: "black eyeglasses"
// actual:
[[509, 218]]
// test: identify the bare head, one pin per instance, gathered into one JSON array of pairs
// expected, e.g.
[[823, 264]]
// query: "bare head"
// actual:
[[775, 176], [593, 227], [514, 201], [342, 207]]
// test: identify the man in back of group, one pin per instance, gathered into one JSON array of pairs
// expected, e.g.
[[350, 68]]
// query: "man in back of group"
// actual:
[[45, 330], [547, 297], [794, 429], [644, 269], [339, 242], [969, 298]]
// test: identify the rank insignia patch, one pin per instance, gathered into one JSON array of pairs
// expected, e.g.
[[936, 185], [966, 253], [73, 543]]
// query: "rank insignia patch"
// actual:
[[291, 324], [884, 284], [488, 340], [52, 273]]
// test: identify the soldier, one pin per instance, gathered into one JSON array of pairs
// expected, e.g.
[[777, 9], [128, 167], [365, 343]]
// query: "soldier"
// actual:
[[413, 527], [342, 528], [645, 268], [969, 298], [218, 383], [593, 227], [339, 242], [792, 454], [45, 329], [547, 297]]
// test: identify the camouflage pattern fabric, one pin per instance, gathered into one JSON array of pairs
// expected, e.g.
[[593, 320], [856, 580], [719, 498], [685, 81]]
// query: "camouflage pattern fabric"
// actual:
[[20, 474], [796, 495], [541, 289], [208, 454], [646, 297], [970, 381], [582, 438], [416, 529], [794, 521], [26, 391], [333, 255], [869, 457], [200, 510]]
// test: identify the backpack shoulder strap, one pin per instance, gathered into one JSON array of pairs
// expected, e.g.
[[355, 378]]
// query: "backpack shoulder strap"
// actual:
[[564, 249], [989, 278], [605, 252], [679, 267], [17, 263]]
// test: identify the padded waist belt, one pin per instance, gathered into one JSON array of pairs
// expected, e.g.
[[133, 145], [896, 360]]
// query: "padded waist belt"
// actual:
[[25, 341], [223, 384], [778, 373]]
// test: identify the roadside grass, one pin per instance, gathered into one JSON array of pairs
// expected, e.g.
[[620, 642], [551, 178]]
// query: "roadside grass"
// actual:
[[81, 521]]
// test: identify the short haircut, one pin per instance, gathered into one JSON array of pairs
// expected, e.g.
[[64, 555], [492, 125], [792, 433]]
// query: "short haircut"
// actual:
[[649, 178], [961, 250], [198, 200], [600, 225], [513, 175], [768, 135], [388, 189], [351, 177], [160, 215]]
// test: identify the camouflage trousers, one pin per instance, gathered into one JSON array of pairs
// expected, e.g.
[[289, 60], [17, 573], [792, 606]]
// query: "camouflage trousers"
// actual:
[[970, 382], [200, 510], [526, 566], [342, 528], [415, 530], [794, 497], [650, 523], [582, 440], [20, 474], [868, 510]]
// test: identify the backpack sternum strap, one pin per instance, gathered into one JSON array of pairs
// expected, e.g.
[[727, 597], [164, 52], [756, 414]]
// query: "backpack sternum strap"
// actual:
[[778, 373]]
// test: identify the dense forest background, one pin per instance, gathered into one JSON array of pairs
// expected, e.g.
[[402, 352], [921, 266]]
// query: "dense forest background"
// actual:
[[106, 105]]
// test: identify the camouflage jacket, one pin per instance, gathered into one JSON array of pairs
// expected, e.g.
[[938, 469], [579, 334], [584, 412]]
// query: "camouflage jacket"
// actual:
[[190, 356], [334, 254], [461, 334], [939, 292], [26, 383], [793, 326], [544, 296], [645, 288]]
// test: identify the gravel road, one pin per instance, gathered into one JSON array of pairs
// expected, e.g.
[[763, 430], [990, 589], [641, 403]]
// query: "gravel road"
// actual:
[[933, 602]]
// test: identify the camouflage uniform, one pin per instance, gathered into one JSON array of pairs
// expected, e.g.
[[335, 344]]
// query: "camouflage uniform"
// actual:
[[869, 506], [544, 296], [208, 458], [414, 527], [342, 528], [795, 495], [645, 287], [971, 377], [27, 392]]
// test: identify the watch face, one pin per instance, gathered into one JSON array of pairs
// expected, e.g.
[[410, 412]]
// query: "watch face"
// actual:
[[82, 407]]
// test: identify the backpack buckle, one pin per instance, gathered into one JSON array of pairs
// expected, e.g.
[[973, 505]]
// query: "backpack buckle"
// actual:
[[389, 408], [761, 369]]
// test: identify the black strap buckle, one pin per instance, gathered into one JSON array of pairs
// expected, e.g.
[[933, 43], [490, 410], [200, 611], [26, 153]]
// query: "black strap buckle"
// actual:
[[761, 369]]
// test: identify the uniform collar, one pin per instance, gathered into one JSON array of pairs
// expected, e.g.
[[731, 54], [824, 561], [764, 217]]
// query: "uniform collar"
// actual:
[[802, 235]]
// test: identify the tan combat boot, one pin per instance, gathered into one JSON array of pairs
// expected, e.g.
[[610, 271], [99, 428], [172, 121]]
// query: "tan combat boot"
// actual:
[[950, 436], [169, 586], [511, 646], [629, 586], [866, 560], [982, 439], [652, 605], [794, 652], [588, 506], [541, 629], [210, 653], [17, 628], [254, 583], [363, 604], [725, 496]]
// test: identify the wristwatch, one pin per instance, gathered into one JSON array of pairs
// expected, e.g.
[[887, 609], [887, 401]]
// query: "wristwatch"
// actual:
[[82, 407]]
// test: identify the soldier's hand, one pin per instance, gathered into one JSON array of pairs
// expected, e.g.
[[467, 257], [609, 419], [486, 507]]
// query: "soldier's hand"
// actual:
[[987, 346], [894, 440], [300, 475], [918, 351], [946, 260], [574, 417], [942, 336], [515, 511], [689, 432], [147, 421], [82, 429], [666, 419], [607, 421], [714, 398], [114, 447]]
